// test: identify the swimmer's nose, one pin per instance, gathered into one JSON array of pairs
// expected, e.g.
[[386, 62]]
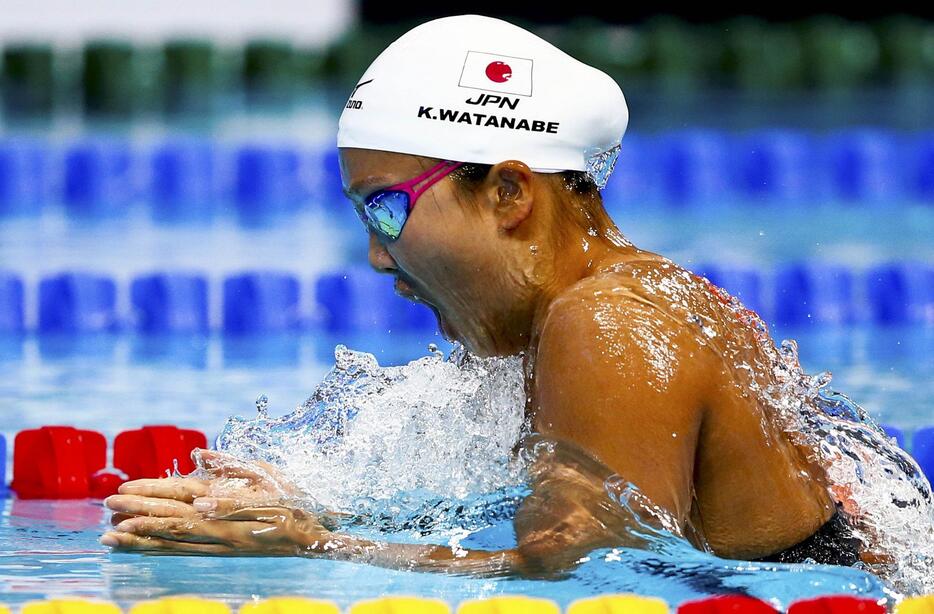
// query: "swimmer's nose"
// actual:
[[380, 258]]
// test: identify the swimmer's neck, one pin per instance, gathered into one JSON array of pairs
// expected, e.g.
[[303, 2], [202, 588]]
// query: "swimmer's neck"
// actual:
[[557, 265]]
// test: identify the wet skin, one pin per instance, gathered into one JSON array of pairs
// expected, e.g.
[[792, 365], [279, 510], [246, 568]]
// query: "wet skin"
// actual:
[[627, 357]]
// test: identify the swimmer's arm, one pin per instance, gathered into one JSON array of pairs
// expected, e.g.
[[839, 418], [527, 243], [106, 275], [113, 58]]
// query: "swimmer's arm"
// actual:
[[567, 515], [628, 383], [556, 525], [427, 557]]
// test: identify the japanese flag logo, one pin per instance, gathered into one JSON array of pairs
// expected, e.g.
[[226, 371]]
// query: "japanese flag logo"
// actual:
[[497, 73]]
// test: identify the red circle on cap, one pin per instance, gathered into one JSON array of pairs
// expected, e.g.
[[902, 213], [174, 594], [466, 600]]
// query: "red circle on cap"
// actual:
[[498, 71]]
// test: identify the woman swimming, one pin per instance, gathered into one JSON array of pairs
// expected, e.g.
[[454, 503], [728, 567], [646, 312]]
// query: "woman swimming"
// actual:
[[474, 153]]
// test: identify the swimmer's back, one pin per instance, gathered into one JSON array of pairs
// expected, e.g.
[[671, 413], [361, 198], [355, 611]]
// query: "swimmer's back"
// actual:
[[754, 493]]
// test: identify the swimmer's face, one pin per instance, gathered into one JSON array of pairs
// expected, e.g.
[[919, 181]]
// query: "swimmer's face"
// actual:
[[450, 254]]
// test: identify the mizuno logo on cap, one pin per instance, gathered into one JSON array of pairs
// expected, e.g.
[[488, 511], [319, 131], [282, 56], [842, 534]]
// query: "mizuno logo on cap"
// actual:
[[497, 73], [356, 104]]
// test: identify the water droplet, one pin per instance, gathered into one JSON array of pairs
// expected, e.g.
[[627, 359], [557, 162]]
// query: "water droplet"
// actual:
[[262, 404]]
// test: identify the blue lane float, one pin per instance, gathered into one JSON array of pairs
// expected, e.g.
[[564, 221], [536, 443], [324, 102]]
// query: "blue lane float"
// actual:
[[190, 179], [863, 164], [743, 283], [261, 302], [793, 294], [25, 177], [267, 183], [691, 165], [4, 490], [920, 166], [11, 303], [631, 183], [77, 303], [100, 178], [358, 299], [922, 448], [807, 293], [896, 433], [774, 165], [184, 181], [900, 292], [332, 188], [170, 303]]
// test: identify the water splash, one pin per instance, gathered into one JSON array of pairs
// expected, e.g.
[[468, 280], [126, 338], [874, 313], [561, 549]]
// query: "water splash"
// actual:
[[394, 441]]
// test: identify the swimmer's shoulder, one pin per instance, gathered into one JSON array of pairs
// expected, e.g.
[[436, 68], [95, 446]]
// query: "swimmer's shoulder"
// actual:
[[648, 290], [644, 302], [646, 278]]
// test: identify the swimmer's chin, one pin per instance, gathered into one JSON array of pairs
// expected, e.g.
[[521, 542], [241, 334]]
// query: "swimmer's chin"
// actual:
[[447, 331], [444, 326]]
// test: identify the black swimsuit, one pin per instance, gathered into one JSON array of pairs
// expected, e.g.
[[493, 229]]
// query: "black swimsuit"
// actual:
[[832, 544]]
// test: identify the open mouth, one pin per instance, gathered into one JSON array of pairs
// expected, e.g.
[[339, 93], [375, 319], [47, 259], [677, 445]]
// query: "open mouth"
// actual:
[[403, 289], [406, 291]]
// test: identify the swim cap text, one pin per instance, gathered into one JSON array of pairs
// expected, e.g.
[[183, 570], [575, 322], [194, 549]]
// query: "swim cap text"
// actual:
[[482, 119]]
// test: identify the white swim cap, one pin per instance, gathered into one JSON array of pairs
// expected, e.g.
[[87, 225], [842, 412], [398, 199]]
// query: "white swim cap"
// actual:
[[478, 89]]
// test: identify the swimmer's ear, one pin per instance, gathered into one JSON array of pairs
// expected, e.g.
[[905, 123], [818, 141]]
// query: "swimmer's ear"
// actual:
[[509, 186]]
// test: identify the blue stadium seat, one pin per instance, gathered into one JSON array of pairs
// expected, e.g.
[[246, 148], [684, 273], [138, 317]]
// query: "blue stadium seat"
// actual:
[[900, 292], [170, 303], [360, 299], [77, 302], [774, 165], [922, 448], [25, 176], [808, 293], [863, 165], [184, 184], [11, 303], [261, 302], [100, 178], [694, 167], [267, 184]]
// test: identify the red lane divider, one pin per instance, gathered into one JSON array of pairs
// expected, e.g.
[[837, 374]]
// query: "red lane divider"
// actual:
[[836, 604], [62, 462], [152, 450], [729, 604]]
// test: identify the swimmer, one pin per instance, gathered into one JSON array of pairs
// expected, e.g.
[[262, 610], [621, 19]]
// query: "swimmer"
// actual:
[[474, 153]]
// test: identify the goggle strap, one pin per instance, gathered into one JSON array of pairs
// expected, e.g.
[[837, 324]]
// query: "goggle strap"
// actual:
[[432, 176]]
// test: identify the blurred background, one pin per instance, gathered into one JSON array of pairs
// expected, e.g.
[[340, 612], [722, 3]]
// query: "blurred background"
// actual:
[[174, 242]]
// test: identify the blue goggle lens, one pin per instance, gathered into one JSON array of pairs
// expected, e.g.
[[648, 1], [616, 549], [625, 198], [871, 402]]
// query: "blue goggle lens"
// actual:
[[386, 212]]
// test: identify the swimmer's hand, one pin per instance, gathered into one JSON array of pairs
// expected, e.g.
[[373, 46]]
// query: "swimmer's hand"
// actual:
[[224, 530], [258, 477], [248, 484]]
